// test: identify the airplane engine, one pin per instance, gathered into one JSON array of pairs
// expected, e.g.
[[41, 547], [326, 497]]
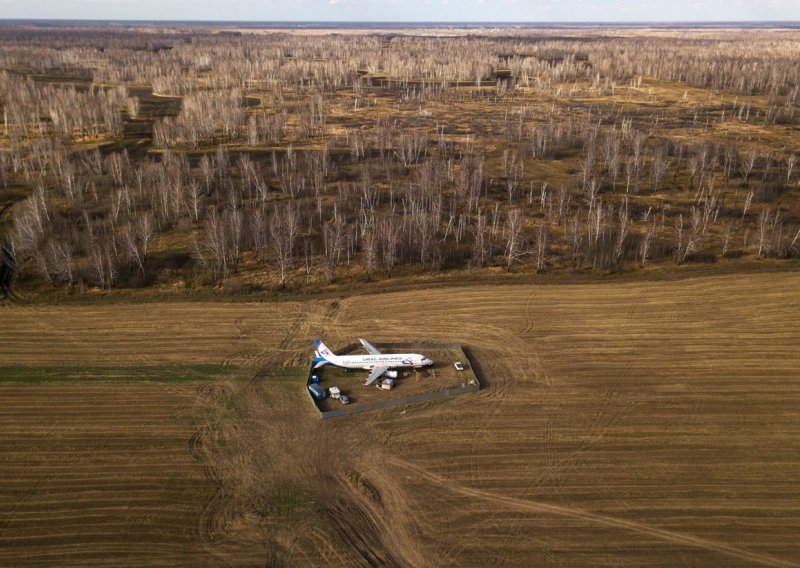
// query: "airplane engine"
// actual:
[[391, 374]]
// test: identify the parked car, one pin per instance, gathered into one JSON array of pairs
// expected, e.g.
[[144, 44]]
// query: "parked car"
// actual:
[[344, 399]]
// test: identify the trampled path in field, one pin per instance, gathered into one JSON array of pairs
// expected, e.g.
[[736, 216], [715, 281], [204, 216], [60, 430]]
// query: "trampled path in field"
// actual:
[[624, 424]]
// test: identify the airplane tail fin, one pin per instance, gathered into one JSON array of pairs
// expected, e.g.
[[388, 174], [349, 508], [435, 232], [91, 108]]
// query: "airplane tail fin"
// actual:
[[323, 353]]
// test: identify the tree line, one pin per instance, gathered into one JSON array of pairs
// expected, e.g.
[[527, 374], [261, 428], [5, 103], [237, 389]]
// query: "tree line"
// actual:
[[283, 162]]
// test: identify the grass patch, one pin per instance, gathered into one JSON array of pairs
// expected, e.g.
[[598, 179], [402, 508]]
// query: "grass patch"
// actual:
[[170, 372], [289, 376], [282, 382], [285, 500], [289, 372]]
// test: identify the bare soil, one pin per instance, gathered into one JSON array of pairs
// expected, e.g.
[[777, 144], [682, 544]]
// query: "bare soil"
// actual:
[[625, 424], [101, 474]]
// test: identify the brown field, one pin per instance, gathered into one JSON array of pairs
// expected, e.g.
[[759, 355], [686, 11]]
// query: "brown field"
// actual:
[[624, 424], [100, 474]]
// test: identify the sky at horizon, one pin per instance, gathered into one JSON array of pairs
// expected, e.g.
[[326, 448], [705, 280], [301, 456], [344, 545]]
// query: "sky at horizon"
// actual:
[[408, 10]]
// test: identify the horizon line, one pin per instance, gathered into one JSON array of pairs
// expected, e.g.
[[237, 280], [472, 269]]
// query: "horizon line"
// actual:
[[303, 23]]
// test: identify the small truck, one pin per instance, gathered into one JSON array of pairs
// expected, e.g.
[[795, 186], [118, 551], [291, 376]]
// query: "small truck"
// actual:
[[316, 391], [334, 392]]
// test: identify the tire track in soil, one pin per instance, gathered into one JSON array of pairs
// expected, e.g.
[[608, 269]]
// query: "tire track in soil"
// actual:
[[211, 521], [392, 503], [330, 323], [525, 505], [497, 396], [239, 355], [601, 424], [565, 466], [294, 541], [559, 470], [504, 364], [244, 358], [528, 311], [513, 533], [353, 527]]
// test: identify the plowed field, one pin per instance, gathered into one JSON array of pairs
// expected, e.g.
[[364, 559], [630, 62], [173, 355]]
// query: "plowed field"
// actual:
[[624, 424]]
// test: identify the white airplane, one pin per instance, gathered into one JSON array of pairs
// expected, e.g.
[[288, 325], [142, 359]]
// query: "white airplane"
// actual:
[[377, 362]]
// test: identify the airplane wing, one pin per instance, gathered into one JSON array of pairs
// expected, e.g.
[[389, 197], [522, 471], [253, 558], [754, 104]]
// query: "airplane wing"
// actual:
[[369, 347], [376, 372]]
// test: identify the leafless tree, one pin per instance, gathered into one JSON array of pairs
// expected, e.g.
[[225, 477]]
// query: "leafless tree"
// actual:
[[770, 232], [211, 247], [391, 230], [622, 232], [513, 170], [645, 244], [791, 161], [195, 199], [515, 244], [334, 242], [681, 249], [660, 166], [369, 247], [131, 243], [481, 249], [576, 236], [284, 227], [747, 202], [409, 147], [542, 246], [747, 164], [611, 156], [727, 235], [62, 262]]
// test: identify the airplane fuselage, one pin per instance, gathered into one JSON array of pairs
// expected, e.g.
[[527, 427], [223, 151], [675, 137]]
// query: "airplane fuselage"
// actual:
[[377, 362], [369, 362]]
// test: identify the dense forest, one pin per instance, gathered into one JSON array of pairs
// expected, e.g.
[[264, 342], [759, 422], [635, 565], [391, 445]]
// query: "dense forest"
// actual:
[[167, 155]]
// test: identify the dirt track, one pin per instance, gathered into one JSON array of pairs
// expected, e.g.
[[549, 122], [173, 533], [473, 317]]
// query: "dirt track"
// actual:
[[592, 518], [631, 424]]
